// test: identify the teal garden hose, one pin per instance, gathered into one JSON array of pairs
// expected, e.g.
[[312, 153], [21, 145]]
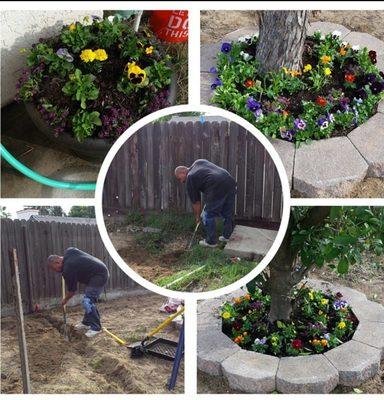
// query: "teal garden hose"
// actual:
[[42, 179]]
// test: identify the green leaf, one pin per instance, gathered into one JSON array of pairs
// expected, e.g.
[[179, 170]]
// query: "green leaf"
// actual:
[[342, 266], [345, 240]]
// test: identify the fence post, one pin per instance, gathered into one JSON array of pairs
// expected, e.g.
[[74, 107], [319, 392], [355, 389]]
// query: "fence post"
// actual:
[[20, 321]]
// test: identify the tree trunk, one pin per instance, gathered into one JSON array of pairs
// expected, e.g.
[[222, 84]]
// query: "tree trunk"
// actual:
[[281, 39]]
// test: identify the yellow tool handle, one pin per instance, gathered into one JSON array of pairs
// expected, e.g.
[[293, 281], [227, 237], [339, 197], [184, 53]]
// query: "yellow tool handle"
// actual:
[[63, 292], [165, 323], [118, 340]]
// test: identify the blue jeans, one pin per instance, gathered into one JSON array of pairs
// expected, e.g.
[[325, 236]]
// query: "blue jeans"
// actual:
[[220, 208], [91, 313]]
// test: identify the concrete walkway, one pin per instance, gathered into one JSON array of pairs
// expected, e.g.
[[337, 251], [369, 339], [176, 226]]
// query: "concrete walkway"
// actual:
[[250, 243], [328, 167]]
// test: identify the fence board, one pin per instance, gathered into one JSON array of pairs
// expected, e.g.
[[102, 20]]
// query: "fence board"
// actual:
[[149, 158], [34, 242]]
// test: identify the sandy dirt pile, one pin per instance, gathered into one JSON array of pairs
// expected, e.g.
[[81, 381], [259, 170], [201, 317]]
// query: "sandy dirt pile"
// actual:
[[97, 365]]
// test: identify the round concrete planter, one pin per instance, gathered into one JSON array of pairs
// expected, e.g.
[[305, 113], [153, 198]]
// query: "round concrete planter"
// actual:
[[92, 148], [349, 364], [329, 167]]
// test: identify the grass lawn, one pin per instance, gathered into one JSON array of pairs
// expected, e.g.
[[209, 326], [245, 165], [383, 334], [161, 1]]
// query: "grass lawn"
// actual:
[[199, 268]]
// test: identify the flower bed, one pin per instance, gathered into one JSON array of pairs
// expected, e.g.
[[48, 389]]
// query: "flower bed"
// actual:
[[96, 78], [337, 89], [320, 321]]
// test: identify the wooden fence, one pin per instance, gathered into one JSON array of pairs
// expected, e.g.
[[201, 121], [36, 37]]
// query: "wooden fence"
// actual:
[[34, 242], [142, 172]]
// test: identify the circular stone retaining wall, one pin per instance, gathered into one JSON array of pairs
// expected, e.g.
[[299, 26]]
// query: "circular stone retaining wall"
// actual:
[[349, 364], [328, 167]]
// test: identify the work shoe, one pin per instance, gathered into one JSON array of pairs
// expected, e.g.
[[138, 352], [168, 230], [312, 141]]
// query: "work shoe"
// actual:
[[91, 333], [223, 239], [80, 326], [204, 243]]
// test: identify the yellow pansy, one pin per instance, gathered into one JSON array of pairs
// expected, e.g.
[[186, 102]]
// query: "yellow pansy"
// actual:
[[226, 315], [310, 294], [149, 50], [342, 51], [136, 74], [341, 325], [325, 59], [72, 27], [327, 71], [324, 301], [87, 55], [320, 312], [307, 67], [100, 55]]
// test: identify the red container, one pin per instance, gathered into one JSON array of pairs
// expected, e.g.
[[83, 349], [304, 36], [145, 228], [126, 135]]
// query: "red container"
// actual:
[[170, 26]]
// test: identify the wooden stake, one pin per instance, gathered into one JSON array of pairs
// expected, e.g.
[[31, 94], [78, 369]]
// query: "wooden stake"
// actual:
[[20, 321]]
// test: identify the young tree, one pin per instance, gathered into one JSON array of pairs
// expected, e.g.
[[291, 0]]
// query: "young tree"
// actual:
[[281, 39], [318, 236]]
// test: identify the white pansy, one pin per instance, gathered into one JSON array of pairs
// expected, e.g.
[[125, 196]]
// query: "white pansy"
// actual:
[[344, 43], [111, 18], [87, 21], [241, 39], [336, 33], [322, 37], [356, 47], [245, 56]]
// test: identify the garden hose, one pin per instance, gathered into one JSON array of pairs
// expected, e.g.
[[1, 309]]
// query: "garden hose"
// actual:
[[43, 179]]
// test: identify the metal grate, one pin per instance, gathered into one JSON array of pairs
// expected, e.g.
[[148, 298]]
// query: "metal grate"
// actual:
[[162, 348]]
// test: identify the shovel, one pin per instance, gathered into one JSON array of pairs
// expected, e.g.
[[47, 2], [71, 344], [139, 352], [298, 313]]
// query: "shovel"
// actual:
[[65, 326], [194, 232]]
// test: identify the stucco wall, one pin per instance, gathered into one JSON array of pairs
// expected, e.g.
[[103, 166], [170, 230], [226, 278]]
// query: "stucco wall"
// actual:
[[21, 29]]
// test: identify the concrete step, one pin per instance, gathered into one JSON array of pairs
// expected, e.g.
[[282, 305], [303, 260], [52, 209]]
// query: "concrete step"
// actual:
[[250, 243]]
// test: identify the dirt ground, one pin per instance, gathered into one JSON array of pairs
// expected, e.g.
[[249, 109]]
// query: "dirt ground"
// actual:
[[149, 267], [367, 277], [216, 24], [97, 365]]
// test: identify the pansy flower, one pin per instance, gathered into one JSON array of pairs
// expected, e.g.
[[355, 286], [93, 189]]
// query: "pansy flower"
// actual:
[[323, 123], [373, 56], [330, 118], [213, 70], [361, 94], [226, 47], [338, 304], [249, 83], [377, 87], [63, 53], [297, 344], [252, 104], [349, 77], [217, 82], [321, 101], [260, 341], [370, 78], [299, 124]]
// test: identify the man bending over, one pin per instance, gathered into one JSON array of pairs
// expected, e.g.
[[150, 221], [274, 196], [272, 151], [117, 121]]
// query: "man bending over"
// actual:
[[219, 191], [76, 266]]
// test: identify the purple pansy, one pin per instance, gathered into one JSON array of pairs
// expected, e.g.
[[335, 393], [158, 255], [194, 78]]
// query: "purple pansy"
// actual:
[[300, 124], [377, 87], [361, 94], [370, 78], [288, 135], [330, 117], [252, 104], [338, 304], [217, 82], [260, 341], [323, 123], [213, 70], [226, 47]]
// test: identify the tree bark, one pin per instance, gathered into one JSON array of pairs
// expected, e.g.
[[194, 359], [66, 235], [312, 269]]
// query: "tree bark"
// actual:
[[281, 39], [283, 276]]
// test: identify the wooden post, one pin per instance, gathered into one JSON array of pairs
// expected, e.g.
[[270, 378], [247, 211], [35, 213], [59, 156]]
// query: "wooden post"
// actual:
[[20, 321]]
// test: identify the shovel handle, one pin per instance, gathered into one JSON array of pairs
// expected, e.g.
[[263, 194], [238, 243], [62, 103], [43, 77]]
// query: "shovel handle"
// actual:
[[63, 293], [164, 324]]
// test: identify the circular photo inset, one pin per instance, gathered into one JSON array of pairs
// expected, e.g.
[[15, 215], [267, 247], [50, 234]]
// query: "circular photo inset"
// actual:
[[192, 201]]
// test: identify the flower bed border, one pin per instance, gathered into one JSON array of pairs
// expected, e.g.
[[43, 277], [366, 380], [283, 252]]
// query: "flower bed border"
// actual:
[[349, 364], [340, 163]]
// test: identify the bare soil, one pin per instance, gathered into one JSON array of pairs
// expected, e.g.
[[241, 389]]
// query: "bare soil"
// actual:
[[216, 24], [367, 277], [150, 267], [83, 365]]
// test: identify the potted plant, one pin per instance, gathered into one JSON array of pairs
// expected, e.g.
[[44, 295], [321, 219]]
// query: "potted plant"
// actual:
[[84, 87]]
